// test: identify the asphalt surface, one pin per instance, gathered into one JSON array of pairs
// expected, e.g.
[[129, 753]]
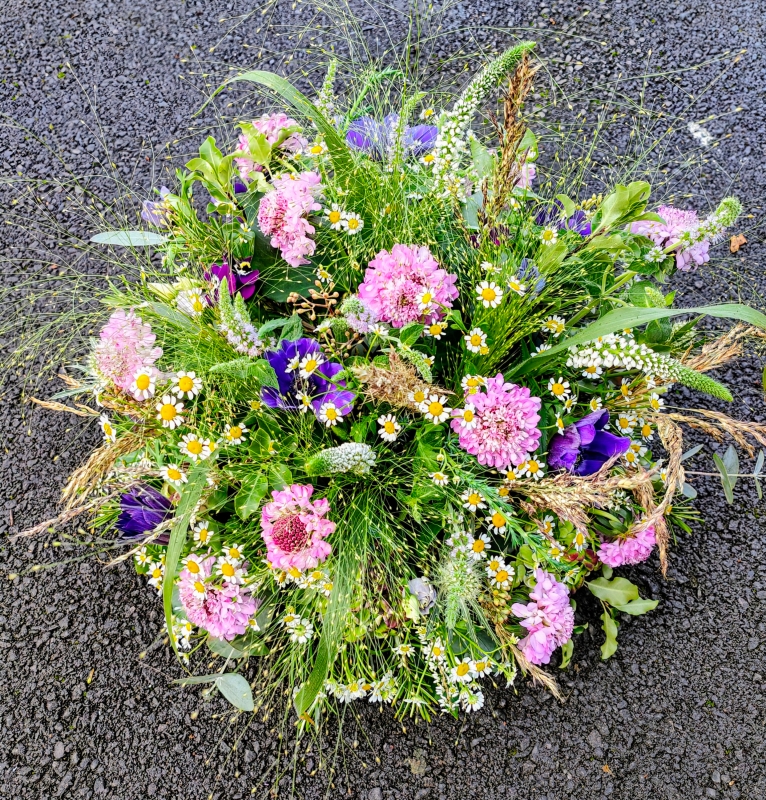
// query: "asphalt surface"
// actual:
[[87, 706]]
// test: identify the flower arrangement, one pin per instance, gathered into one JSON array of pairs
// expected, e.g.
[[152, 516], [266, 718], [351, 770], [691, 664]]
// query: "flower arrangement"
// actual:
[[385, 409]]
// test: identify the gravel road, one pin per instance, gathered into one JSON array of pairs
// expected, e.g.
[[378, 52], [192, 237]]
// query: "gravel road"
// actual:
[[87, 706]]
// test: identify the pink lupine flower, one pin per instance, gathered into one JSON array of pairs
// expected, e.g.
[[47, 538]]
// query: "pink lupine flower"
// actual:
[[224, 610], [125, 345], [282, 215], [407, 285], [633, 550], [666, 234], [504, 430], [549, 618], [294, 528]]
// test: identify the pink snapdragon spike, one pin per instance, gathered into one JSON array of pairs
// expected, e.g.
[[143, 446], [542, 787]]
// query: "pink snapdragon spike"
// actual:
[[676, 222], [223, 611], [282, 215], [632, 550], [294, 528], [504, 431], [397, 285], [548, 617], [125, 345]]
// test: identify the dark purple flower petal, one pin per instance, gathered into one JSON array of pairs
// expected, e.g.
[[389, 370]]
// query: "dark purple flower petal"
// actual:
[[420, 139], [142, 509], [585, 446], [564, 449], [327, 371], [342, 399], [578, 222], [241, 281], [368, 135], [588, 467], [607, 445], [154, 211]]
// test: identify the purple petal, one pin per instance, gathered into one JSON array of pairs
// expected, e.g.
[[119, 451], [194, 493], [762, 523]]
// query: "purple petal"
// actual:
[[419, 139], [607, 445], [564, 449], [589, 466], [368, 135]]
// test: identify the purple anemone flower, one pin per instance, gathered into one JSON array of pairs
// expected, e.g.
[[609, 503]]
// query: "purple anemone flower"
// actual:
[[155, 212], [554, 215], [529, 272], [142, 509], [376, 137], [584, 447], [320, 387], [239, 280]]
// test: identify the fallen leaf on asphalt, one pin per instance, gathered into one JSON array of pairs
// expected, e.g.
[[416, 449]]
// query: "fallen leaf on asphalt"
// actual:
[[606, 769], [737, 242]]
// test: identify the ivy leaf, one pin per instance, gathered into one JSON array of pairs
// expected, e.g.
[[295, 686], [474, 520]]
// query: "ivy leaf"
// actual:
[[616, 592], [609, 626]]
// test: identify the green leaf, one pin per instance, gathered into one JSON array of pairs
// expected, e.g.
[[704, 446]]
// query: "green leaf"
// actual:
[[293, 328], [606, 571], [279, 476], [130, 238], [194, 680], [638, 607], [235, 688], [617, 592], [261, 442], [550, 256], [731, 462], [222, 648], [272, 325], [757, 471], [609, 626], [728, 489], [483, 161], [410, 333], [624, 204], [245, 369], [688, 491], [190, 496], [567, 203], [692, 452], [566, 653], [471, 209], [249, 497], [279, 280], [631, 317]]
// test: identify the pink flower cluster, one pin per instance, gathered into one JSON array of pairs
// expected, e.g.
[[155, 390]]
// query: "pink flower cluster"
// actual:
[[527, 174], [628, 551], [504, 429], [294, 528], [282, 215], [223, 611], [549, 618], [125, 345], [407, 285], [668, 234], [272, 127]]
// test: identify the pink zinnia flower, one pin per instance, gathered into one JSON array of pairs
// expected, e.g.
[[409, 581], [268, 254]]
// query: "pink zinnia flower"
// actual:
[[272, 127], [407, 285], [668, 233], [294, 528], [505, 424], [548, 618], [282, 215], [633, 550], [223, 611], [125, 345]]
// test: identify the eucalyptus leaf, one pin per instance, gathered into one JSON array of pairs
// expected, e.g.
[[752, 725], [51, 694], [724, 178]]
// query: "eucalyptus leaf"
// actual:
[[692, 452], [731, 462], [130, 238], [616, 592], [194, 680], [725, 481], [688, 491], [235, 688], [222, 648]]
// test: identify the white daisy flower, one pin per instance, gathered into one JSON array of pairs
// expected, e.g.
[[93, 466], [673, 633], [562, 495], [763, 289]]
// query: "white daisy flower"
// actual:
[[110, 434], [436, 330], [463, 671], [473, 500], [202, 533], [465, 416], [497, 522], [435, 409], [194, 447], [188, 384], [142, 557], [559, 388], [471, 700], [595, 403], [548, 525], [479, 547], [310, 363], [173, 474], [482, 667], [302, 631], [428, 159], [532, 468], [229, 570], [554, 325], [417, 396], [352, 222], [476, 340], [472, 383], [515, 285], [405, 650], [439, 478], [389, 427], [656, 402], [330, 414], [316, 149], [156, 574], [490, 294], [170, 412], [304, 401], [144, 383], [549, 236], [234, 553], [580, 541], [191, 302], [235, 434]]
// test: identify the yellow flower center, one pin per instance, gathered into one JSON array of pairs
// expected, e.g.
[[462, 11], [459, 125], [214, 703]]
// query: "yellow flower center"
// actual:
[[503, 491], [185, 384], [168, 412], [156, 572], [334, 217], [488, 295], [435, 408], [203, 535], [227, 570], [501, 576], [199, 586], [331, 413], [493, 565], [311, 365], [462, 670], [428, 158], [143, 382], [623, 422], [193, 567], [480, 666], [533, 467], [389, 427], [475, 340], [316, 150], [353, 224], [474, 499], [234, 553], [419, 396], [435, 330], [439, 476], [426, 298], [235, 432], [591, 370], [548, 235], [107, 429], [174, 474], [194, 446], [558, 389], [468, 415], [498, 520], [197, 304], [646, 430], [579, 539], [437, 651], [655, 404], [478, 546]]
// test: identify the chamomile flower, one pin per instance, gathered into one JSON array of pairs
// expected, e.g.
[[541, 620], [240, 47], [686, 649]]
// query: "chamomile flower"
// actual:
[[174, 475], [428, 159], [515, 285], [304, 401], [512, 475], [463, 671], [592, 371], [570, 402], [435, 652], [142, 557], [541, 348], [475, 340], [229, 570], [656, 402], [465, 416], [186, 384], [635, 453], [293, 364], [191, 302], [490, 294], [290, 620], [234, 434], [625, 423], [156, 574], [559, 388], [310, 363], [473, 500], [559, 422], [435, 408], [435, 330], [554, 325], [202, 533], [329, 414], [315, 149], [471, 700], [427, 113], [144, 383], [580, 541], [354, 691], [549, 236], [555, 550], [532, 469], [595, 403], [548, 524], [645, 429], [425, 300], [192, 564], [325, 587], [482, 667], [493, 565], [334, 216], [110, 434], [170, 412], [439, 478], [501, 578], [405, 650], [302, 631], [389, 427], [194, 447], [417, 396], [472, 383], [497, 522], [352, 223], [233, 552], [379, 329], [478, 547], [488, 266]]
